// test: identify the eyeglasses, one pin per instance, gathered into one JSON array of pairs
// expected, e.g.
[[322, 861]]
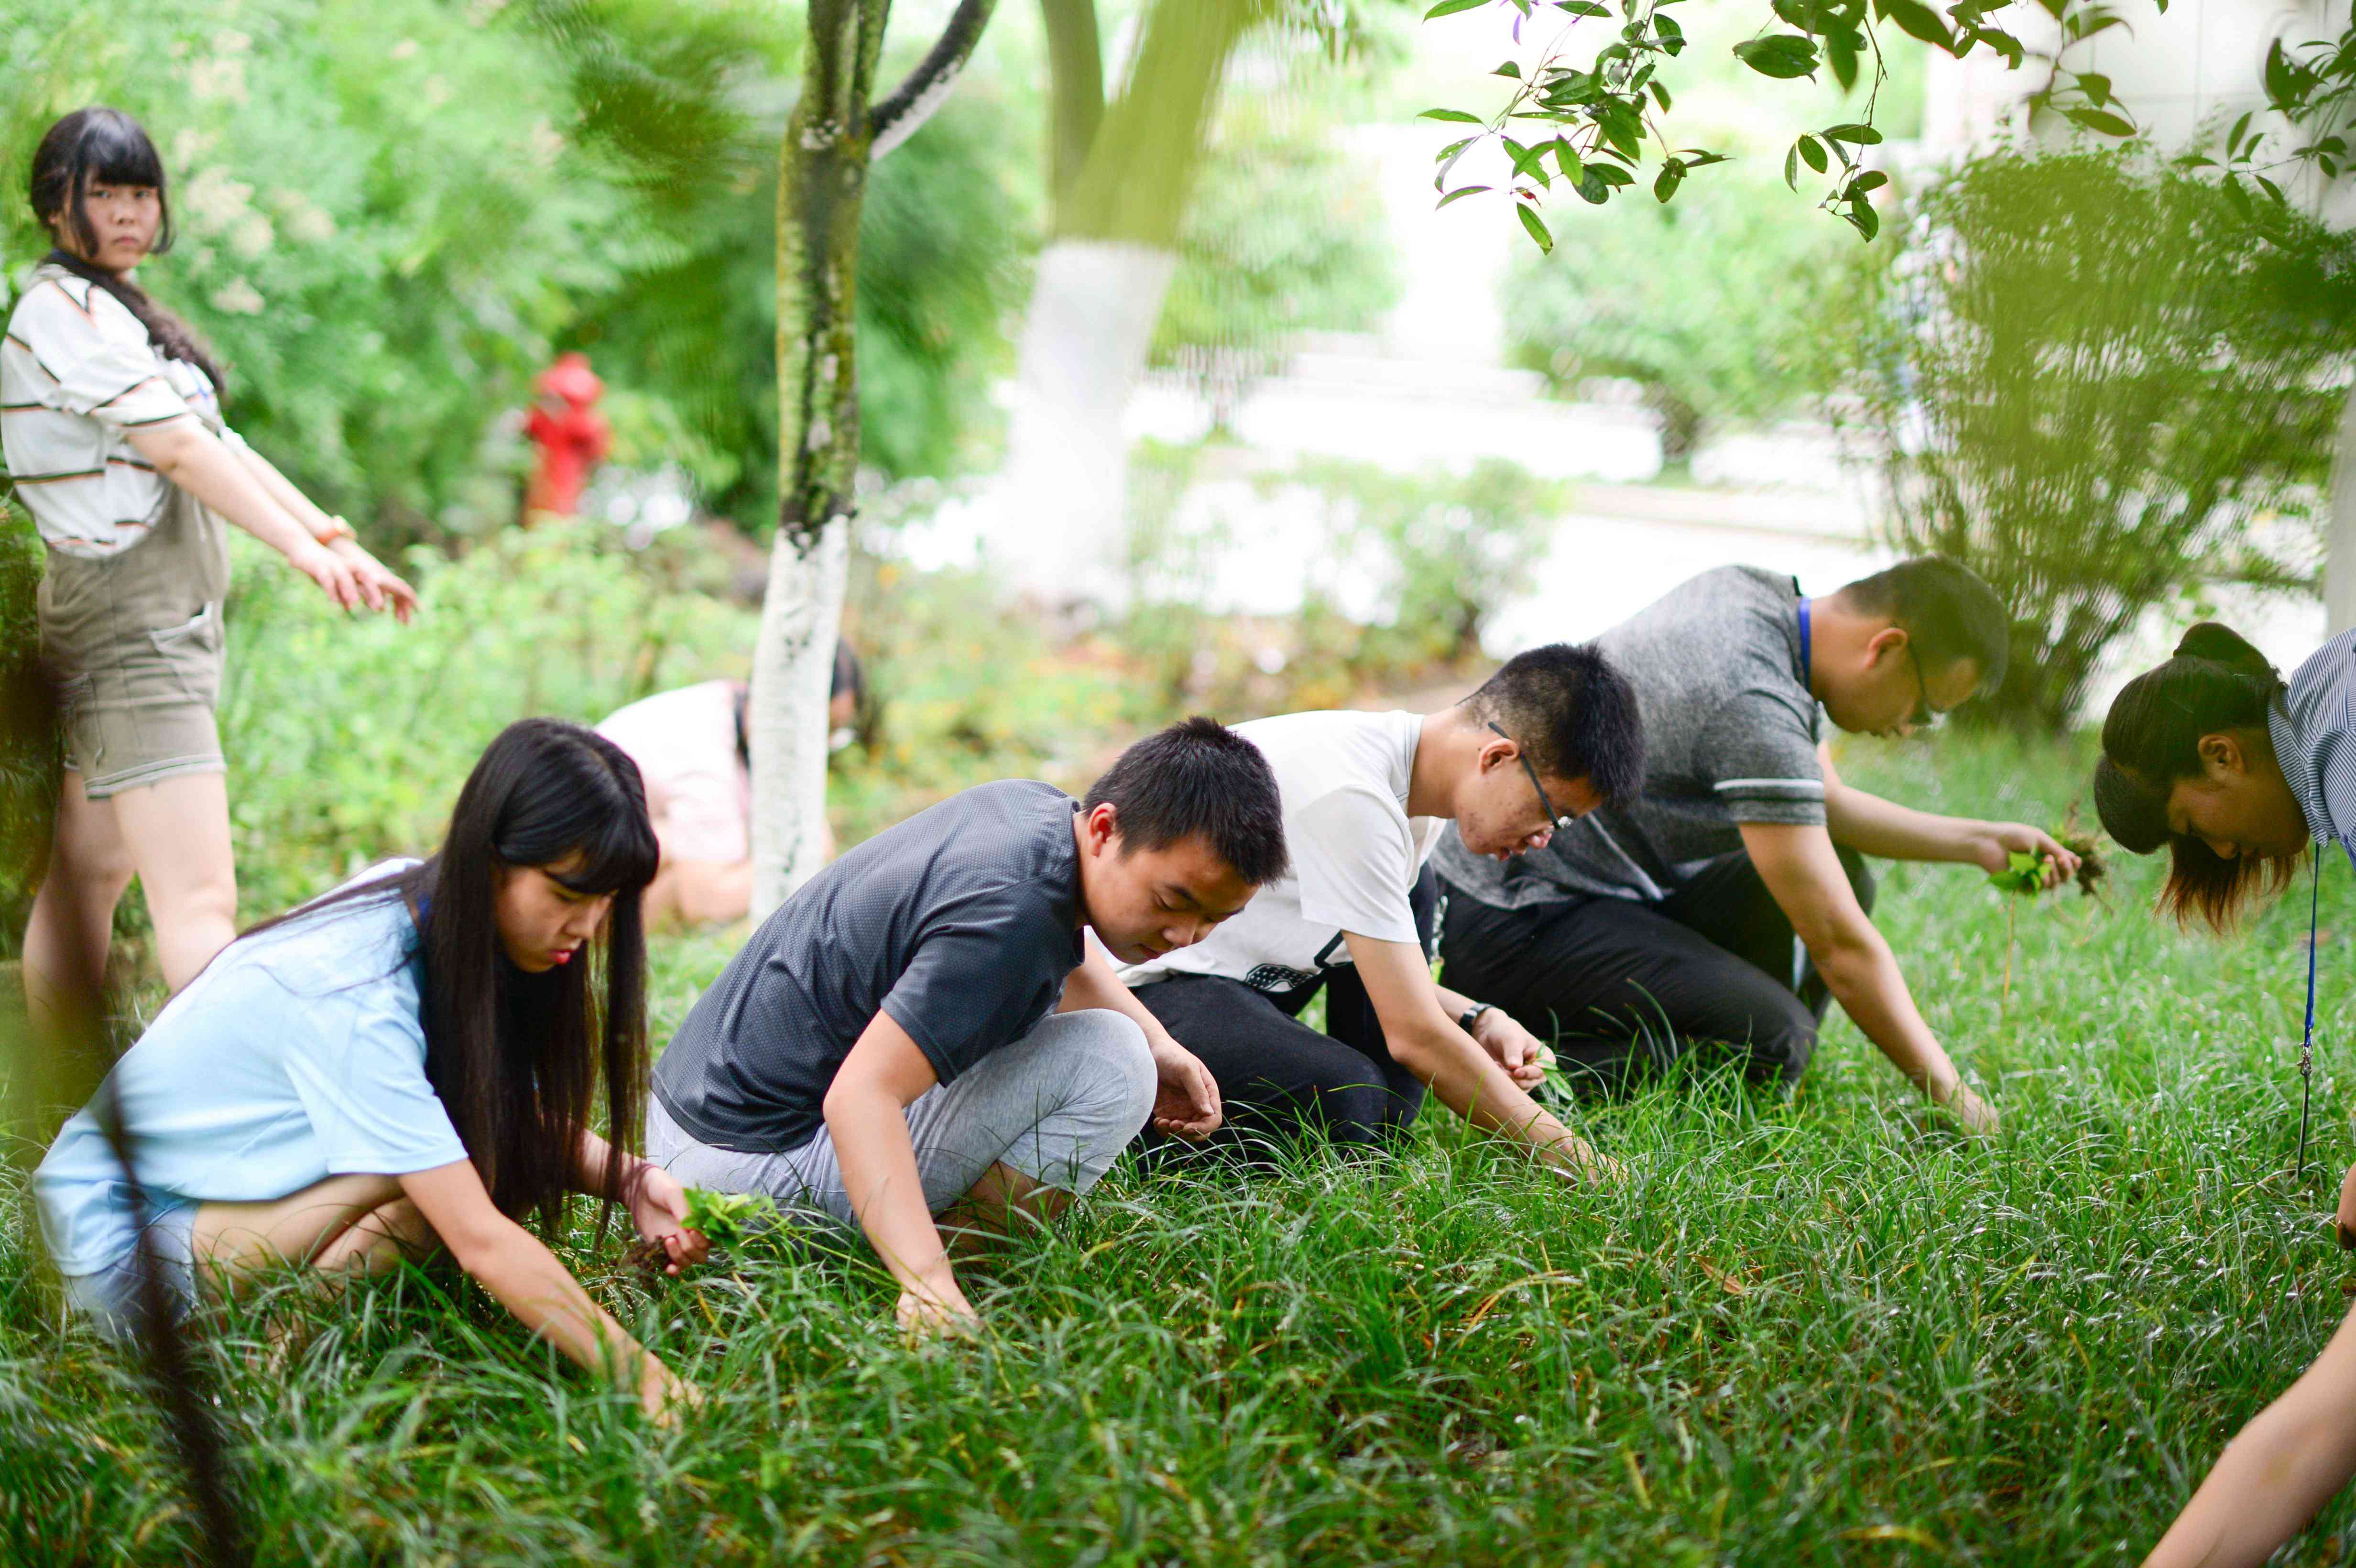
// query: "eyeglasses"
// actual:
[[1924, 715], [1555, 819]]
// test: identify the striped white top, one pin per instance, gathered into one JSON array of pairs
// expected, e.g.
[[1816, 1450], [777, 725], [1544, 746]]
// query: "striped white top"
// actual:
[[77, 376], [2313, 727]]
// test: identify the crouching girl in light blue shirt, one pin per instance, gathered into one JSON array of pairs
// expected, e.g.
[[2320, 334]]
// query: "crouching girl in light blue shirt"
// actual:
[[411, 1061]]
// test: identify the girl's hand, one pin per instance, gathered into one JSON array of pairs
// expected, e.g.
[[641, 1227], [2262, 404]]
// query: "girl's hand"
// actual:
[[939, 1311], [329, 570], [664, 1396], [659, 1209], [377, 583]]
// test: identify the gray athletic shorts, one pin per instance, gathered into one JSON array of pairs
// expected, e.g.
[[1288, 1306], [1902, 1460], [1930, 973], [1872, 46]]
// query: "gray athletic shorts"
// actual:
[[1058, 1106]]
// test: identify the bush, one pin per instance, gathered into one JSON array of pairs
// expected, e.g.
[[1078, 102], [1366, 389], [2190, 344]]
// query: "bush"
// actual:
[[2099, 385], [348, 739], [1710, 303]]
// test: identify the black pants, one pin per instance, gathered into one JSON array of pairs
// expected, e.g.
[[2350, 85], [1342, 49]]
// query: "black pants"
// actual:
[[1280, 1079], [1625, 988]]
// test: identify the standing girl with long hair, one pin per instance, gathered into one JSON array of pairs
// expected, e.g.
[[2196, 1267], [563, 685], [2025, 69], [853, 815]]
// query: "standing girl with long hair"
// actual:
[[2239, 773], [414, 1060], [111, 424]]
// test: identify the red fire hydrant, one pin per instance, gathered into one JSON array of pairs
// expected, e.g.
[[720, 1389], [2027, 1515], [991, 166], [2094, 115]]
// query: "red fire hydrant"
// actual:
[[572, 435]]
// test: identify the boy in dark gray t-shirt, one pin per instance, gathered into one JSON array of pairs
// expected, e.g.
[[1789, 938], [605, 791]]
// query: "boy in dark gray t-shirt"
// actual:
[[1646, 930], [926, 1026]]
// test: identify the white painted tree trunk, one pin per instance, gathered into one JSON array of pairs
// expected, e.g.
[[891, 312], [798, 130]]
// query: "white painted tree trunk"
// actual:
[[792, 665], [2340, 539], [1062, 502]]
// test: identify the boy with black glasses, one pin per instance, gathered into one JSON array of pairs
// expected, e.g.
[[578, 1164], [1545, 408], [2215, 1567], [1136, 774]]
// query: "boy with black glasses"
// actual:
[[1367, 797]]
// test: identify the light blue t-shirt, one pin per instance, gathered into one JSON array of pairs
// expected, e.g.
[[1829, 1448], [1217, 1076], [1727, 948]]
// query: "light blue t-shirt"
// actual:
[[296, 1055]]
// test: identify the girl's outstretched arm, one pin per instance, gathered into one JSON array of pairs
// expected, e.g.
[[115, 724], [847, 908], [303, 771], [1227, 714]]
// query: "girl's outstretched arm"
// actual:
[[2275, 1476], [529, 1281]]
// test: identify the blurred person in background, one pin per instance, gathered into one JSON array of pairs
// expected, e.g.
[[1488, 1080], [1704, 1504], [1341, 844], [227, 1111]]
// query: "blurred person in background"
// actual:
[[111, 423], [414, 1062], [1667, 925], [2236, 774], [691, 748]]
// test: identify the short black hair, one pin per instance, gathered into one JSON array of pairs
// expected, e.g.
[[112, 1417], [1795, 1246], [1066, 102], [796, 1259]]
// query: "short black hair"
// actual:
[[1198, 776], [1573, 714], [1946, 608]]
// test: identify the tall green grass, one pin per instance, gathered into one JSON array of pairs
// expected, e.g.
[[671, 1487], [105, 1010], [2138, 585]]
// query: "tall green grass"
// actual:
[[1819, 1328]]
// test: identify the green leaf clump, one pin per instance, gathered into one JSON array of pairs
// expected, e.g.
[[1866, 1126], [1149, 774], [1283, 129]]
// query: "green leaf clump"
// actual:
[[729, 1218], [2023, 873]]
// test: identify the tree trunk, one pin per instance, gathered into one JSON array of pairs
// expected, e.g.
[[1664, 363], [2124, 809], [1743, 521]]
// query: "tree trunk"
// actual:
[[821, 180], [2339, 537], [1098, 289], [830, 138]]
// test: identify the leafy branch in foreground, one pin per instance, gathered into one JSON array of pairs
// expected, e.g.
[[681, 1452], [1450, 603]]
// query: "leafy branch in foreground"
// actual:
[[1591, 115]]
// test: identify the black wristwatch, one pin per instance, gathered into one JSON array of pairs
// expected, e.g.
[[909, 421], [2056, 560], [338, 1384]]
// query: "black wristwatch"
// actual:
[[1469, 1016]]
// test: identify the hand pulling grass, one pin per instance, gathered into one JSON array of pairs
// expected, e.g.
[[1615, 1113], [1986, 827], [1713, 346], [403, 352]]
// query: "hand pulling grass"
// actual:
[[2024, 873], [725, 1219]]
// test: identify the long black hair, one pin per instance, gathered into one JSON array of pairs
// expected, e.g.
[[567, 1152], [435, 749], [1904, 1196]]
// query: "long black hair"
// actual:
[[2216, 683], [517, 1058], [99, 145]]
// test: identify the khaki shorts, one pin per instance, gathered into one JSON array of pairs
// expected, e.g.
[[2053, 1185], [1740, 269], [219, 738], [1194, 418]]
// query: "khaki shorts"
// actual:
[[134, 643]]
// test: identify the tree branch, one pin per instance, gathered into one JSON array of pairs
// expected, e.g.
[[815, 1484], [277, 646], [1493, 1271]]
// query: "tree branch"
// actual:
[[1075, 88], [897, 117]]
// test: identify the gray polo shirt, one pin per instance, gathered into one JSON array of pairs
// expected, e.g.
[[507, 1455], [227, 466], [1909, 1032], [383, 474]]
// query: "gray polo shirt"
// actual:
[[1730, 737], [962, 923]]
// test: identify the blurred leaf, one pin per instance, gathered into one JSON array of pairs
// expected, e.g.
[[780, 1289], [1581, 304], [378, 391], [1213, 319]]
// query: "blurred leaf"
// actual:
[[1456, 116], [1538, 228], [1779, 55]]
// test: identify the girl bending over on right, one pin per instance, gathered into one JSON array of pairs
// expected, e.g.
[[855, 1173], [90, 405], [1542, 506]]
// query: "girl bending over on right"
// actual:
[[411, 1061], [2213, 756]]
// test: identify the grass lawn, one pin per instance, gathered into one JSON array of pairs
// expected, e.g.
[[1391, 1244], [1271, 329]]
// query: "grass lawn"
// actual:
[[1819, 1328]]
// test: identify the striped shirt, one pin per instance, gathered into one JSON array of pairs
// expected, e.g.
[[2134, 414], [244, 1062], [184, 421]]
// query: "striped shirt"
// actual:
[[2313, 727], [77, 377], [1730, 736]]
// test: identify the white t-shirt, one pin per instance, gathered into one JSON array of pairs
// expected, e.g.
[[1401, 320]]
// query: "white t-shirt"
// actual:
[[697, 791], [1356, 852], [77, 376]]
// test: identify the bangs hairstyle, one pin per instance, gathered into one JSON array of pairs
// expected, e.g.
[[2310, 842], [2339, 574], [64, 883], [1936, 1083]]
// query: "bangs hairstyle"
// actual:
[[1198, 776], [2215, 683], [518, 1059], [99, 145]]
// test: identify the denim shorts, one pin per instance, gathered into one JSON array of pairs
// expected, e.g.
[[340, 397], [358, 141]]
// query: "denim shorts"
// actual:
[[110, 1296]]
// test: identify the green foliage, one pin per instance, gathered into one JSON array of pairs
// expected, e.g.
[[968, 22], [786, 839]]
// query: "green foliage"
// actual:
[[729, 1218], [1813, 1332], [394, 213], [1284, 236], [1587, 106], [1715, 305], [30, 773], [381, 216], [690, 104], [348, 739], [2099, 386], [1452, 547], [2023, 873]]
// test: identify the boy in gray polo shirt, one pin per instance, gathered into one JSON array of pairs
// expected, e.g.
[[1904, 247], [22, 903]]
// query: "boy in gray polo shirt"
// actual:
[[1649, 929]]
